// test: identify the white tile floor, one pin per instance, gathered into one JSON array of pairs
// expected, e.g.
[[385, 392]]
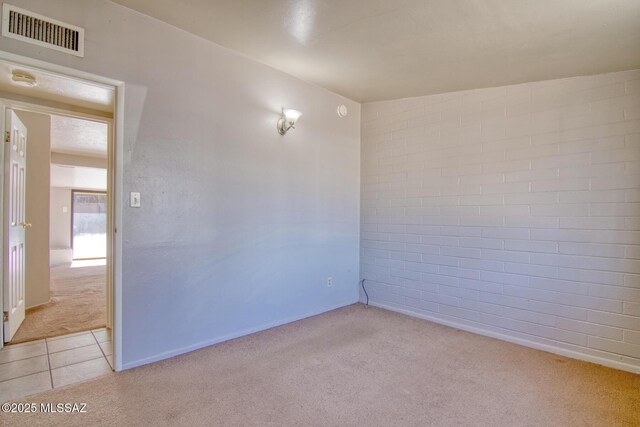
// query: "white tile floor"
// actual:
[[41, 365]]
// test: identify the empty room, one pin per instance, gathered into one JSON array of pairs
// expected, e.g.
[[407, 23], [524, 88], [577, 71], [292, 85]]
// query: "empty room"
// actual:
[[320, 212]]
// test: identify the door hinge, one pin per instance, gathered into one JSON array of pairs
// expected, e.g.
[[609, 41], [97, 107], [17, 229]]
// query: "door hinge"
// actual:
[[7, 136], [5, 316]]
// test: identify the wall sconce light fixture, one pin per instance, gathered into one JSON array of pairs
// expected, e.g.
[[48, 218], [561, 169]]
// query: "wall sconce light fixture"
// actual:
[[288, 120]]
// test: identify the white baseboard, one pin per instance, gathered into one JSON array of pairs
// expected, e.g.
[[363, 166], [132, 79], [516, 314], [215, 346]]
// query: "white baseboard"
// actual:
[[611, 363], [217, 340], [38, 305], [616, 364]]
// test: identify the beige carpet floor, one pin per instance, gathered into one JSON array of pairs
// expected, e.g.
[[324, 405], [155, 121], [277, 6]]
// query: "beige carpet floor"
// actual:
[[355, 366], [77, 304]]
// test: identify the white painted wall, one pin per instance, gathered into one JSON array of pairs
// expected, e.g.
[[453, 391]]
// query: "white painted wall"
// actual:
[[60, 226], [78, 160], [512, 211], [37, 207], [239, 226], [79, 177]]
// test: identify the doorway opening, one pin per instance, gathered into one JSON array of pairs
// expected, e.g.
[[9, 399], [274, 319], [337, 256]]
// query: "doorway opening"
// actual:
[[57, 199], [59, 250], [66, 203]]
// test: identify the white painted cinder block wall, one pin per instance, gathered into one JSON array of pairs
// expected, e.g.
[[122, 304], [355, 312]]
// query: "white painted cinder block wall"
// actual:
[[512, 211]]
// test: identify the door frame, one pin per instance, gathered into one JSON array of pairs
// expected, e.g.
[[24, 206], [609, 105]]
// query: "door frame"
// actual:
[[72, 204], [115, 174]]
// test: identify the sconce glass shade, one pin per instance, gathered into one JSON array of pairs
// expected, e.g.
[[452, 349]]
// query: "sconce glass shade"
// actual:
[[291, 115], [288, 120]]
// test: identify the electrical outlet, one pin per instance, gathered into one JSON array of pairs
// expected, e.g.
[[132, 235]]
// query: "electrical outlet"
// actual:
[[330, 282]]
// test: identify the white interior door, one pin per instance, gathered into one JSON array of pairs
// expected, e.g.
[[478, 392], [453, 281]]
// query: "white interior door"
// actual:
[[15, 223]]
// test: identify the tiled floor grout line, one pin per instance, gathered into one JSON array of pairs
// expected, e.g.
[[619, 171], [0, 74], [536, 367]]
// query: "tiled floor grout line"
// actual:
[[26, 375], [69, 349], [26, 358], [102, 351], [98, 359], [48, 355], [77, 363], [22, 376], [59, 351], [99, 346], [46, 346], [73, 334], [51, 369]]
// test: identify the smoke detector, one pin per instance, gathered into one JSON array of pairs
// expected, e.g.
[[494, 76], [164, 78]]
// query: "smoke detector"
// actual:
[[23, 78]]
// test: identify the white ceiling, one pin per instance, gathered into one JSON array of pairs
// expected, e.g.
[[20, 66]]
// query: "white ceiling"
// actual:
[[71, 135], [384, 49], [52, 87]]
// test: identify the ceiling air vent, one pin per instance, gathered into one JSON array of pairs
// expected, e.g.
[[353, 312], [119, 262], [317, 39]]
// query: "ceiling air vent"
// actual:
[[36, 29]]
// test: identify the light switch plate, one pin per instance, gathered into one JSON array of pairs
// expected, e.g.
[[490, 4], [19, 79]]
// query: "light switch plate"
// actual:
[[134, 199]]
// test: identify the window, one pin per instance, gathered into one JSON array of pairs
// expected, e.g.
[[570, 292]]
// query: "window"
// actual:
[[88, 224]]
